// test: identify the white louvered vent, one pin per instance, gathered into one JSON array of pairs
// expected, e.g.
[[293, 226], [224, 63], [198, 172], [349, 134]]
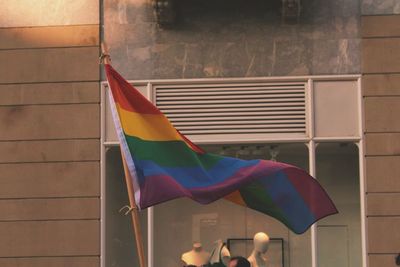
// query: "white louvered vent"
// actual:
[[243, 108]]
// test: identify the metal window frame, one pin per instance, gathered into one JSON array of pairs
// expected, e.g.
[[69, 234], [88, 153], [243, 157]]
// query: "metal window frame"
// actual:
[[310, 140]]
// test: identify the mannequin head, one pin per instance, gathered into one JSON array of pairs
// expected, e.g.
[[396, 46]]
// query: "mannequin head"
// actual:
[[261, 242]]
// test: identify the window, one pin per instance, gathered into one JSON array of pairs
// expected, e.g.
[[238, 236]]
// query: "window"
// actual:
[[121, 248], [338, 172], [329, 146], [185, 221]]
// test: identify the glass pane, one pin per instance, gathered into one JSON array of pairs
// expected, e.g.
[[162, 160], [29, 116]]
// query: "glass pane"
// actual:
[[120, 242], [182, 222], [339, 236]]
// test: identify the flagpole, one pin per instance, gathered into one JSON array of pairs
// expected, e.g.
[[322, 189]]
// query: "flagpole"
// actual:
[[134, 214], [133, 210]]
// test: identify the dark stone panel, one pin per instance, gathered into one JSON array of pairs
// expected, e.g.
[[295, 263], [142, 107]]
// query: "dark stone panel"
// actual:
[[336, 56], [233, 38]]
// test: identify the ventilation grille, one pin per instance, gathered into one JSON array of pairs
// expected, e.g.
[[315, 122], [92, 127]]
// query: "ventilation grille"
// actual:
[[262, 108]]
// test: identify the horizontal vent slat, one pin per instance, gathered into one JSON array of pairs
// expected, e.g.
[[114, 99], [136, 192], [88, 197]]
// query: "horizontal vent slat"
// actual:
[[233, 101], [233, 111], [245, 106], [243, 131], [267, 97], [234, 118], [227, 86], [241, 126], [245, 122], [234, 108], [235, 92]]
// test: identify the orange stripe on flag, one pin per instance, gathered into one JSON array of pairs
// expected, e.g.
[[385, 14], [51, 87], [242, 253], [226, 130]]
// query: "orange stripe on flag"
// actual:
[[236, 198]]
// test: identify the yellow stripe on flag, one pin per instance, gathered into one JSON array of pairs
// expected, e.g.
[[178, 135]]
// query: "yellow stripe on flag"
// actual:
[[149, 127]]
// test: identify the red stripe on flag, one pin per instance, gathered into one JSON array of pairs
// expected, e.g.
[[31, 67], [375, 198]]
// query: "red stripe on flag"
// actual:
[[127, 96]]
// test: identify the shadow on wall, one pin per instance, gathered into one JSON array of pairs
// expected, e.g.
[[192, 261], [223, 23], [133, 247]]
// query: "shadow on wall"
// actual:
[[227, 10]]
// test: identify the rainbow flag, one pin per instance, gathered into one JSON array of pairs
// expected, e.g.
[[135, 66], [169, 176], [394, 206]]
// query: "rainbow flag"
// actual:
[[165, 165]]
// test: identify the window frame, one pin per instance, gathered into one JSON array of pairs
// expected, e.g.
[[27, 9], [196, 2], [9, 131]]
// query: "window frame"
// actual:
[[310, 140]]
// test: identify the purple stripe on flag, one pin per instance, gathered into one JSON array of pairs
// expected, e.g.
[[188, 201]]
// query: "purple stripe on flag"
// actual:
[[313, 194]]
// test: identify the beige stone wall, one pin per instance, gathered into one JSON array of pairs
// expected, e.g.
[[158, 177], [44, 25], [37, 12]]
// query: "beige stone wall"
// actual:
[[50, 130], [381, 86]]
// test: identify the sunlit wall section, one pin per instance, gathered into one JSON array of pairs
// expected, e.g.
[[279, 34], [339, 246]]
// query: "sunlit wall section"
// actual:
[[21, 13], [50, 133]]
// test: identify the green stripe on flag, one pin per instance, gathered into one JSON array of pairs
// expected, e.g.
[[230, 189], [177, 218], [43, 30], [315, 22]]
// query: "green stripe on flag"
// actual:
[[255, 197], [169, 153]]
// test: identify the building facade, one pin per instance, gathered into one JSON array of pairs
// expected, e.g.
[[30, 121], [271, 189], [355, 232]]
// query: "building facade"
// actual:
[[59, 163]]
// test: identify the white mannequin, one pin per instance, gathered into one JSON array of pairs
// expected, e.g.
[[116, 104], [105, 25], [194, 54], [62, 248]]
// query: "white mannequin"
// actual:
[[225, 254], [197, 256], [261, 244]]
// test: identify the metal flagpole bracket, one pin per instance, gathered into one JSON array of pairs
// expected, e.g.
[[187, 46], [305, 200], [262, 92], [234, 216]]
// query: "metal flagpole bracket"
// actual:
[[128, 209], [104, 56]]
